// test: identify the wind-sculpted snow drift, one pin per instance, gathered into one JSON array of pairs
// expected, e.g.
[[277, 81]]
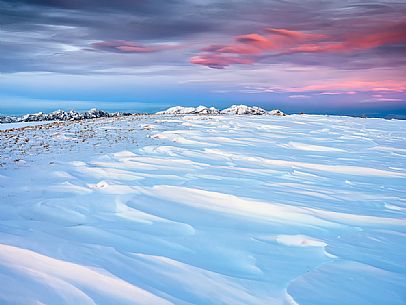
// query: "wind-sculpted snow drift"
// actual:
[[204, 209]]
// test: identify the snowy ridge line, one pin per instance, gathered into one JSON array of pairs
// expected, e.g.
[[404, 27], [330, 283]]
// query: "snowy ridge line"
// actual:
[[61, 115], [234, 109]]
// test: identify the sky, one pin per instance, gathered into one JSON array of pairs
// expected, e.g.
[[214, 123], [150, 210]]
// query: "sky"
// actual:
[[337, 57]]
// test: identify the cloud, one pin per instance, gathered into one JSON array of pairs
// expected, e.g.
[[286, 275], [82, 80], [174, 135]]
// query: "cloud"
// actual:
[[317, 48], [278, 32], [296, 34], [329, 93], [349, 86], [391, 35], [218, 61], [254, 39], [233, 49], [387, 99], [123, 46], [272, 41], [359, 41], [299, 96]]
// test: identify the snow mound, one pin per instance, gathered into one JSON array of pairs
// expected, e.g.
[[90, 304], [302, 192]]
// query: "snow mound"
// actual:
[[276, 112], [244, 109], [299, 241], [206, 110]]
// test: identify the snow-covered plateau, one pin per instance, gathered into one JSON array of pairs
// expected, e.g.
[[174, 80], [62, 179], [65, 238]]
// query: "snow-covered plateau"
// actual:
[[204, 209]]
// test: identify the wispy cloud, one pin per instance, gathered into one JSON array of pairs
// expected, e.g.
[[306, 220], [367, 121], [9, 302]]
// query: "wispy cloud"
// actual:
[[123, 46], [217, 61], [299, 96]]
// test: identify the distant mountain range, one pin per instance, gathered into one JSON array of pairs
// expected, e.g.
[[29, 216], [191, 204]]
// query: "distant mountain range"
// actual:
[[61, 115]]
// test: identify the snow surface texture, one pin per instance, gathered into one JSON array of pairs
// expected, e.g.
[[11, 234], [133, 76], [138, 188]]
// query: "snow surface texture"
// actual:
[[194, 209]]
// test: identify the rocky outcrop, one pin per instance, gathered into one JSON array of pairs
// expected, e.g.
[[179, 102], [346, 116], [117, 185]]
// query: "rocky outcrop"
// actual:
[[61, 115], [7, 119]]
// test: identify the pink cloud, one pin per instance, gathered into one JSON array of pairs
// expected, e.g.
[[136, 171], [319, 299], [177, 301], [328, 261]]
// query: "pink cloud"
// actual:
[[254, 39], [337, 93], [390, 99], [341, 87], [254, 43], [295, 34], [276, 40], [359, 41], [349, 86], [318, 47], [284, 41], [393, 34]]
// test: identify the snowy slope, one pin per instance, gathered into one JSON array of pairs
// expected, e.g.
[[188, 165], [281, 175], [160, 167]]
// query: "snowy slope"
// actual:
[[307, 210]]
